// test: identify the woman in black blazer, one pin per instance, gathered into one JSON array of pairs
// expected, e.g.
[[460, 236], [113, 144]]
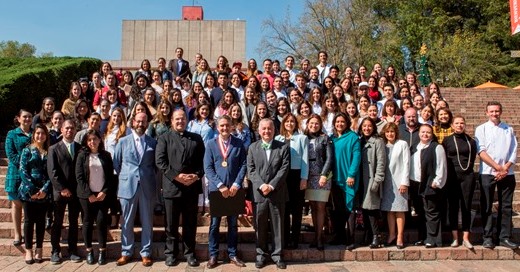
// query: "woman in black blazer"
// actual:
[[96, 185]]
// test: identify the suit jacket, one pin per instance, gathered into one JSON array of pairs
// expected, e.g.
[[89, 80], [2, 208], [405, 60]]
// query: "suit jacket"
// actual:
[[62, 168], [178, 154], [83, 174], [185, 68], [272, 172], [235, 171], [133, 170]]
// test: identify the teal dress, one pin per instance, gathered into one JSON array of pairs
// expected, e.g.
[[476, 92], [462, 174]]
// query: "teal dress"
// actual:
[[15, 142], [347, 153]]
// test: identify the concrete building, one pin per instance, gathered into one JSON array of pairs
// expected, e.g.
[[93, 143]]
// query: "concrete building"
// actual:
[[151, 39]]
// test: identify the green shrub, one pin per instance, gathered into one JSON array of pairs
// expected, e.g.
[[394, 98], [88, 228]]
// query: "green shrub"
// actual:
[[25, 82]]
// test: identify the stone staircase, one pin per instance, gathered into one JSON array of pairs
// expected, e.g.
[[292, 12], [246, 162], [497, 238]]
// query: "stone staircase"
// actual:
[[468, 102]]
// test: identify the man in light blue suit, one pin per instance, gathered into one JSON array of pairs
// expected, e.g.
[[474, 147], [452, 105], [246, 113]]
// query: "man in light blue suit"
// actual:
[[134, 162]]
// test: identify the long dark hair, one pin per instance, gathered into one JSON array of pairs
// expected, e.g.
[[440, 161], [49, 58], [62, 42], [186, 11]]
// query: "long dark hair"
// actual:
[[44, 116], [85, 140], [43, 149]]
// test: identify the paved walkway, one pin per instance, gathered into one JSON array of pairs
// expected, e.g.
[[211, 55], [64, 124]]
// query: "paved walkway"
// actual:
[[12, 264]]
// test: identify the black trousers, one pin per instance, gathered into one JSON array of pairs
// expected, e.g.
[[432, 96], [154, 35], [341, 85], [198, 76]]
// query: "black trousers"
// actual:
[[342, 217], [294, 207], [59, 214], [187, 206], [505, 189], [35, 213], [97, 211], [432, 214], [460, 195], [371, 218], [416, 202]]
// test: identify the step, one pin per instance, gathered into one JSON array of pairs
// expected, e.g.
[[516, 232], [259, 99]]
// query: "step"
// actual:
[[331, 253]]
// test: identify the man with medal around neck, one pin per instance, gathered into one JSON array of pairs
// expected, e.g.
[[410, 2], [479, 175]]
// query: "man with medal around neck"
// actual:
[[268, 163], [225, 168], [179, 156]]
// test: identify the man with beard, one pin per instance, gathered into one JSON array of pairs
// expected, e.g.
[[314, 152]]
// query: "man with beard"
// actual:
[[134, 162]]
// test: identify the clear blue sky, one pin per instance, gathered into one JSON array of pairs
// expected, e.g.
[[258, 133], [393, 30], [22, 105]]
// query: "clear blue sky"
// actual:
[[93, 27]]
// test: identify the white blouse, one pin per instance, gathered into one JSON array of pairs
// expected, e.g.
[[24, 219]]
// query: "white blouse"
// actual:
[[97, 177]]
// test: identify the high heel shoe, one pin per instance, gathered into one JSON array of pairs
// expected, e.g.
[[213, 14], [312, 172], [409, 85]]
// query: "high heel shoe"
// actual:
[[29, 256], [38, 255], [391, 243]]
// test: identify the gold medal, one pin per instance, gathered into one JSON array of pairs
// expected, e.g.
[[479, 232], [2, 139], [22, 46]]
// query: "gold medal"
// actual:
[[224, 164]]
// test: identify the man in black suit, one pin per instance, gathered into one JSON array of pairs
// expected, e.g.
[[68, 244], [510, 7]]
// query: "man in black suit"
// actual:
[[61, 165], [179, 156], [179, 67], [268, 163]]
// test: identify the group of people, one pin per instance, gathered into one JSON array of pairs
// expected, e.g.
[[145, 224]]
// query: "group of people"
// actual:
[[172, 141]]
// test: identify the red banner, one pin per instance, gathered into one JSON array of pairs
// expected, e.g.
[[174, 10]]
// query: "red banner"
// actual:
[[514, 6]]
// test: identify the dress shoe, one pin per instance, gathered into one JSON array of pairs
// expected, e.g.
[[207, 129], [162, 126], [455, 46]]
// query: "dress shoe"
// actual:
[[350, 247], [17, 242], [55, 258], [467, 244], [508, 243], [171, 261], [488, 243], [281, 264], [212, 262], [74, 257], [192, 261], [376, 243], [259, 264], [419, 243], [146, 261], [236, 261], [430, 245], [401, 246], [90, 257], [102, 257], [123, 260]]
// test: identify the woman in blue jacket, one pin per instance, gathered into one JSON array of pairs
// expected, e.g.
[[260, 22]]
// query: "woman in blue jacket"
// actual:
[[296, 179], [34, 191]]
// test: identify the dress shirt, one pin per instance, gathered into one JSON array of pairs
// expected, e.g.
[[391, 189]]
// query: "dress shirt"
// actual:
[[500, 144], [70, 147], [441, 170], [139, 143], [268, 155]]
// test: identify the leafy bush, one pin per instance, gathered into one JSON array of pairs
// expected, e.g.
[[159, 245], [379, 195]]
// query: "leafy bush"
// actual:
[[24, 82]]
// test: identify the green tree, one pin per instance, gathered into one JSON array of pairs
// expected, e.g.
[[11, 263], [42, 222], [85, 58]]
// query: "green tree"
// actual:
[[14, 49], [469, 40]]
